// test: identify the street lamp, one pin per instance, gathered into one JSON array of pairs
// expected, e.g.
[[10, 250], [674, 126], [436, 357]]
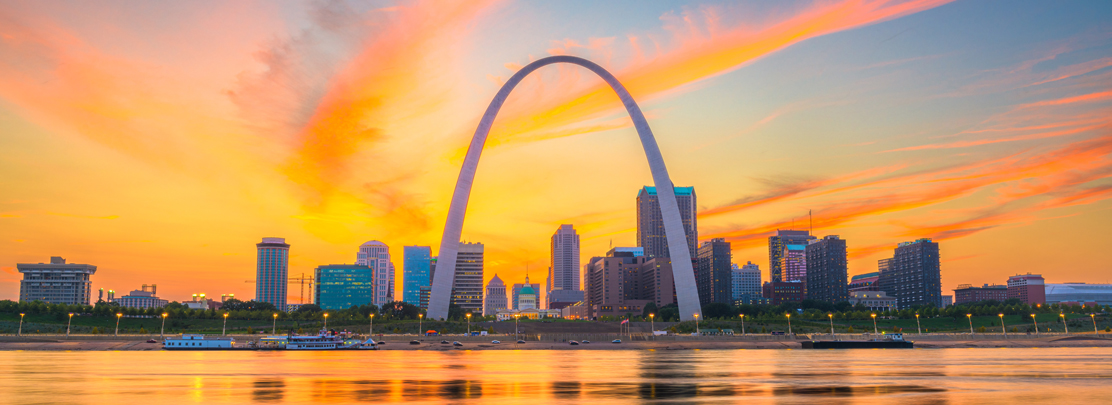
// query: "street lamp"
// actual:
[[742, 324], [874, 324], [831, 316], [917, 325], [697, 325], [420, 323], [652, 324], [225, 331], [71, 322], [1064, 325], [516, 330], [468, 324], [162, 333], [1002, 327], [1036, 321], [789, 324], [371, 329], [970, 317], [274, 325], [1094, 316], [21, 323], [118, 316]]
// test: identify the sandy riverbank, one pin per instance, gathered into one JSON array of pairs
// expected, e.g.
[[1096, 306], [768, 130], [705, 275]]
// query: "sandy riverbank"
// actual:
[[132, 345]]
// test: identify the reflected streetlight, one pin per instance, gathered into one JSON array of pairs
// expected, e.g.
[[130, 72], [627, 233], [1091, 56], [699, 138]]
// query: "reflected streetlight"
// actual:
[[274, 325], [70, 322], [468, 324], [874, 324], [917, 325], [162, 333], [1064, 325], [21, 324], [789, 324], [970, 318], [225, 331], [1002, 327], [831, 316], [1036, 321], [118, 316]]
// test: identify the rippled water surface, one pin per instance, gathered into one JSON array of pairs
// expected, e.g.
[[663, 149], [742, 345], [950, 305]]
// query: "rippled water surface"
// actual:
[[1062, 375]]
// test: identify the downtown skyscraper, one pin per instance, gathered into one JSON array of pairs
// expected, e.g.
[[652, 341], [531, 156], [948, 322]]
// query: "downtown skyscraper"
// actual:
[[467, 288], [416, 272], [713, 272], [272, 271], [650, 224], [913, 275], [377, 255], [563, 270], [787, 258], [827, 270]]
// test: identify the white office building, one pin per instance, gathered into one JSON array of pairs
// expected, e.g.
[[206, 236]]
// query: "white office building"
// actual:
[[377, 255]]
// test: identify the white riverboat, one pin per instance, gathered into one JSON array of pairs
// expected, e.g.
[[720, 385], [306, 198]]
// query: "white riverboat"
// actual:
[[198, 342]]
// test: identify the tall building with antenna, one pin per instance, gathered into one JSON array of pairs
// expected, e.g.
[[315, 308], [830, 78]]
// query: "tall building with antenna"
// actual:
[[787, 257]]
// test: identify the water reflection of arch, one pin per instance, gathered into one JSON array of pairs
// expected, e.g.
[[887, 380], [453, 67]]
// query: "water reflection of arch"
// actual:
[[687, 294]]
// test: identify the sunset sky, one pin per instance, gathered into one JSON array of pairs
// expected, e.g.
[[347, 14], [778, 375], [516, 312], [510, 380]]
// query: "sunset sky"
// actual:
[[161, 140]]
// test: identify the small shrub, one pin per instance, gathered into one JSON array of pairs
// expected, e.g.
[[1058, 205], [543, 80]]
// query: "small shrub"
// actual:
[[850, 330], [981, 329]]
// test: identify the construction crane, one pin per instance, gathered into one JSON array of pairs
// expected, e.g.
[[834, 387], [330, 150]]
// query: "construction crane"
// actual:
[[301, 280]]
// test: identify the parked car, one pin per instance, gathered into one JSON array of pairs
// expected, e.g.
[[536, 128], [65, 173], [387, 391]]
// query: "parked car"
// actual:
[[443, 342], [457, 343], [495, 342], [585, 341], [414, 342], [573, 343], [521, 341], [616, 341], [152, 341]]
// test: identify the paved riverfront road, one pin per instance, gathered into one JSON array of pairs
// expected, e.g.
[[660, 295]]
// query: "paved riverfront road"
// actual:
[[1006, 376]]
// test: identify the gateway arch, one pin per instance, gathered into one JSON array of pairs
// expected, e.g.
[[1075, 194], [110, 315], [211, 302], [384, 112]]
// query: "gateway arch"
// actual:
[[687, 294]]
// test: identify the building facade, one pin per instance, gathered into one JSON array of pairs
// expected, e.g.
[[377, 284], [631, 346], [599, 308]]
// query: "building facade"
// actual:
[[746, 282], [143, 298], [56, 282], [341, 286], [714, 272], [650, 224], [564, 285], [787, 256], [1028, 288], [865, 282], [376, 255], [515, 291], [656, 283], [495, 298], [1079, 293], [613, 283], [779, 292], [272, 273], [467, 288], [873, 300], [416, 271], [914, 275], [827, 270], [968, 294]]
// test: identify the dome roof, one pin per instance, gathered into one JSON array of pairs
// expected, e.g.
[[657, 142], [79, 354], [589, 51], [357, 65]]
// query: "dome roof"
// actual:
[[373, 243], [527, 290]]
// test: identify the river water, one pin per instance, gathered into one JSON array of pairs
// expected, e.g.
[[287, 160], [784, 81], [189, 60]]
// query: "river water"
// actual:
[[927, 376]]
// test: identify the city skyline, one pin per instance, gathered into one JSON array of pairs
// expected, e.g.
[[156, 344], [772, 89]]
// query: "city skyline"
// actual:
[[892, 121]]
